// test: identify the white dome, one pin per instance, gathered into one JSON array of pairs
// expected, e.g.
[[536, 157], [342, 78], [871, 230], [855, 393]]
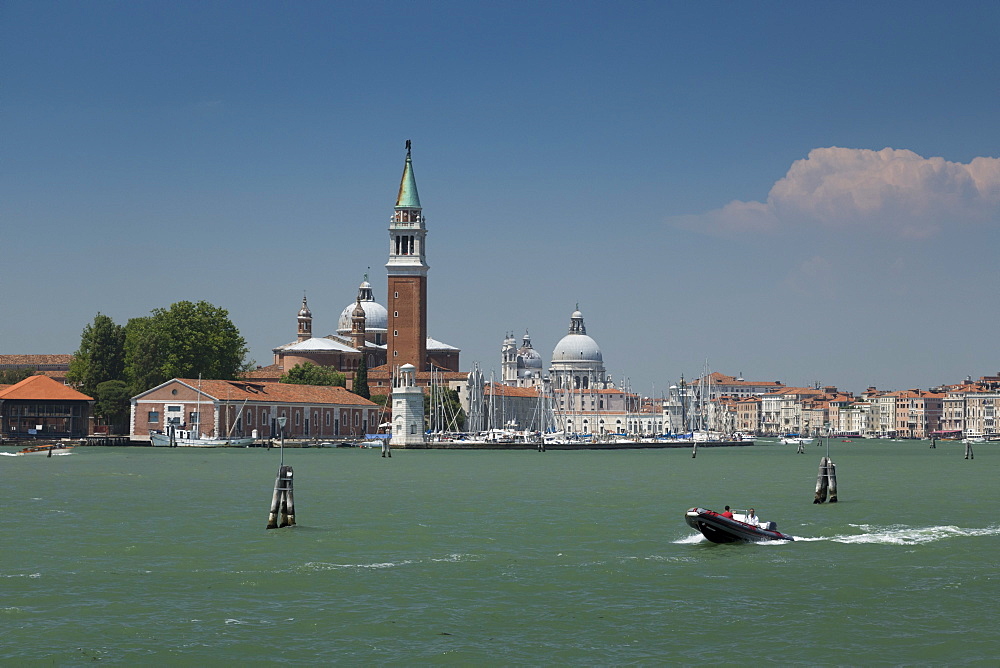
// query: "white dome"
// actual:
[[577, 348], [529, 358], [376, 318]]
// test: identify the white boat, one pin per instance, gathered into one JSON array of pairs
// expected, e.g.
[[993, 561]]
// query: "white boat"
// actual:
[[184, 439], [796, 440]]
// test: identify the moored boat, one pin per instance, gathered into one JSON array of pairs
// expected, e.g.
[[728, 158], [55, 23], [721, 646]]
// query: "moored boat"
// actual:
[[719, 529], [183, 439]]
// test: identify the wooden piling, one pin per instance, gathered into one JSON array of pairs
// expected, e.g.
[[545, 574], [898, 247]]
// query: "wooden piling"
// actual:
[[386, 448], [282, 501], [694, 451], [831, 471], [822, 481], [968, 450], [933, 443]]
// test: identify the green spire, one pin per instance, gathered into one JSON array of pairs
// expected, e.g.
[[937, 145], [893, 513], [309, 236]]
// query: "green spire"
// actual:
[[408, 197]]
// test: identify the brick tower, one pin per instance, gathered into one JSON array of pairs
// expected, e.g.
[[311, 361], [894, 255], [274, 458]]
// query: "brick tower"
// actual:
[[407, 268]]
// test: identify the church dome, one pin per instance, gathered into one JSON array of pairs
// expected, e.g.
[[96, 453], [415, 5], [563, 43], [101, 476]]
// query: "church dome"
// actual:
[[528, 357], [577, 348], [376, 317]]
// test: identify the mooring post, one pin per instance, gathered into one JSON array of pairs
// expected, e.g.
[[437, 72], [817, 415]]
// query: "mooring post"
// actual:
[[831, 470], [821, 482], [272, 518], [694, 451], [282, 501], [933, 443], [801, 450], [968, 450], [386, 448]]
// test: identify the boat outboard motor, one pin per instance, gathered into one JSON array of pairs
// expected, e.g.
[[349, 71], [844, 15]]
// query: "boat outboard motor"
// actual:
[[769, 526]]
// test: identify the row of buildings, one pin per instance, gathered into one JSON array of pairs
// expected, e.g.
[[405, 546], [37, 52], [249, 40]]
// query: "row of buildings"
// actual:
[[968, 408]]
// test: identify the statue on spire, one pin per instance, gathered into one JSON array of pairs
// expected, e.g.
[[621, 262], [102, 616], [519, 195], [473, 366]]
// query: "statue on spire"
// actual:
[[407, 147]]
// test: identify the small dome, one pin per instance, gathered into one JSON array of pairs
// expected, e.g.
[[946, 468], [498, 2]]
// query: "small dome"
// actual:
[[304, 312]]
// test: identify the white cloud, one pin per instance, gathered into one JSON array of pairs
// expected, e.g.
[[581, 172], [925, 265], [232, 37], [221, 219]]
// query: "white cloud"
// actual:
[[892, 189]]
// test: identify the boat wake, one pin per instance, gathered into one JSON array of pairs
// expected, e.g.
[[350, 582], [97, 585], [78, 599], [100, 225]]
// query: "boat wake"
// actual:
[[903, 535]]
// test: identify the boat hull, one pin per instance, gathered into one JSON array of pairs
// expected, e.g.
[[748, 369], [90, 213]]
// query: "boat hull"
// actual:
[[719, 529], [46, 450], [162, 440]]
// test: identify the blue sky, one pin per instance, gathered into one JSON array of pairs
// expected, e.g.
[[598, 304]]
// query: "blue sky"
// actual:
[[804, 192]]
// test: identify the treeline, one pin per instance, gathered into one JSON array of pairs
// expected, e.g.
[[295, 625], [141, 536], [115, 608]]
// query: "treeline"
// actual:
[[188, 340]]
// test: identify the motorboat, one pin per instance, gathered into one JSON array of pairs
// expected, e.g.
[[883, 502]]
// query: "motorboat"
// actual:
[[47, 450], [719, 529]]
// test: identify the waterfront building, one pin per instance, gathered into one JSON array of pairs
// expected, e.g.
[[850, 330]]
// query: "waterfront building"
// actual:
[[981, 414], [748, 415], [224, 408], [918, 413], [40, 407]]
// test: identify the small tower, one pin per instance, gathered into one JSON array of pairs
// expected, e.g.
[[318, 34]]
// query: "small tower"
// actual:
[[407, 267], [305, 321], [358, 326], [407, 408], [508, 360]]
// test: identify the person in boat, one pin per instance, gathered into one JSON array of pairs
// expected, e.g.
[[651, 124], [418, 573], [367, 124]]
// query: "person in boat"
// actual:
[[752, 518], [727, 513]]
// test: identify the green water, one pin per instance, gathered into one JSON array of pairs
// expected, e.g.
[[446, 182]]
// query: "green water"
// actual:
[[159, 556]]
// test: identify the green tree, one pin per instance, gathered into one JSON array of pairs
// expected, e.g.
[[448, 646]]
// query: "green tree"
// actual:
[[112, 402], [360, 386], [185, 341], [308, 373], [13, 376], [101, 356]]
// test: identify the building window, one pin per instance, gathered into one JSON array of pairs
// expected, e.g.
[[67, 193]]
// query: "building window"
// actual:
[[396, 295], [153, 417], [298, 418], [395, 314], [328, 418], [357, 419], [249, 417], [395, 332]]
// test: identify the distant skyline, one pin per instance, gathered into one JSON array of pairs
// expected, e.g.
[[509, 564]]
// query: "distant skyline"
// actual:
[[803, 192]]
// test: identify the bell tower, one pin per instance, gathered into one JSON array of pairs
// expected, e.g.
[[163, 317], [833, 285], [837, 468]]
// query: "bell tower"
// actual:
[[305, 321], [407, 272]]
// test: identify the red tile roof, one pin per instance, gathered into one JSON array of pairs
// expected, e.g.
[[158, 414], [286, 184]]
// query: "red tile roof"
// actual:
[[228, 390], [42, 388]]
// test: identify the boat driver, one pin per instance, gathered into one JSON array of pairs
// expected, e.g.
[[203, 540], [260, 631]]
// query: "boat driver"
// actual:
[[752, 518]]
